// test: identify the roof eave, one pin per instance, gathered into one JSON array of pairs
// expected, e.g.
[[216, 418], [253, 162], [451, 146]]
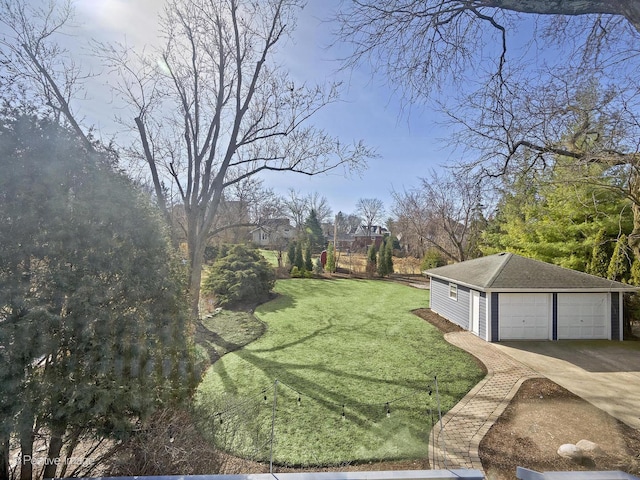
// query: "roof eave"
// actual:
[[481, 288]]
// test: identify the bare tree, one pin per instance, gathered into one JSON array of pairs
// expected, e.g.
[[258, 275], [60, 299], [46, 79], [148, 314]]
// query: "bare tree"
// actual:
[[320, 205], [296, 207], [422, 45], [442, 213], [34, 68], [224, 111], [571, 90], [211, 109], [371, 210], [347, 223]]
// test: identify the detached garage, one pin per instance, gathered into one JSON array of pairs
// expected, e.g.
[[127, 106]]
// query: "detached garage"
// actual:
[[510, 297]]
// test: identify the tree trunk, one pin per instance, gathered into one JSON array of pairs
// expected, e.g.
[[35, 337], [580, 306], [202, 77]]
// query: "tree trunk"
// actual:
[[634, 194], [195, 280], [4, 458], [629, 9], [53, 455], [71, 446], [26, 450]]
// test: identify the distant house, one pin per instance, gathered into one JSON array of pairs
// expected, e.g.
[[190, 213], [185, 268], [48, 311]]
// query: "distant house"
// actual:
[[509, 297], [273, 233], [365, 236]]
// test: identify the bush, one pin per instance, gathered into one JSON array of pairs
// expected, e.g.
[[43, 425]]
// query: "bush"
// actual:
[[168, 443], [300, 273], [242, 275], [432, 259]]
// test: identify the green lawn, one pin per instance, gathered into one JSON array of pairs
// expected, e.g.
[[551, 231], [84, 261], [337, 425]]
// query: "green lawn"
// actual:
[[271, 256], [335, 343]]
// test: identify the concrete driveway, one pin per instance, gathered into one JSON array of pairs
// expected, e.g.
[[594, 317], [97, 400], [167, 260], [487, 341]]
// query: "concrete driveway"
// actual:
[[605, 373]]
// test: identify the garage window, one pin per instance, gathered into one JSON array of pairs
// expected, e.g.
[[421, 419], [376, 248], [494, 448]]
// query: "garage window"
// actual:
[[453, 291]]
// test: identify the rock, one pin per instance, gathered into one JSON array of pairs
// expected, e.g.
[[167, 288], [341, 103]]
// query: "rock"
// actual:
[[590, 448], [571, 451]]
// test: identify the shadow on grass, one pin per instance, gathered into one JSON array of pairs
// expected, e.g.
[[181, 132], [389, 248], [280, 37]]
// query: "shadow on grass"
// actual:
[[299, 341], [285, 373]]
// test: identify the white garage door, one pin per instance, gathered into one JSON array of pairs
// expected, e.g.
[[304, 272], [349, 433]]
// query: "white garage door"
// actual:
[[583, 315], [524, 316]]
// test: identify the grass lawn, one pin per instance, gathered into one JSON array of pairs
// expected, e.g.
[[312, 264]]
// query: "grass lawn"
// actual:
[[229, 330], [335, 346], [271, 256]]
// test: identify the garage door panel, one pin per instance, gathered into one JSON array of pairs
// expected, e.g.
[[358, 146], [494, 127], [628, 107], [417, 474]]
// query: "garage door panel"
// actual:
[[583, 316], [524, 316]]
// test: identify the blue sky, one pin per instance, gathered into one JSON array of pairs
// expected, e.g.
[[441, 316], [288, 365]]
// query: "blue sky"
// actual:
[[408, 144]]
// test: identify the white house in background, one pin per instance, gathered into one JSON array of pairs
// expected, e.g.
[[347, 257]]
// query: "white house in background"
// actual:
[[272, 232], [509, 297]]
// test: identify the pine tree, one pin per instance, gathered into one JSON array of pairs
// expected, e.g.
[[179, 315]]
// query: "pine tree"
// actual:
[[308, 261], [619, 264], [371, 260], [291, 254], [599, 263], [388, 255], [299, 259], [382, 264], [313, 231], [385, 257], [331, 258], [96, 332]]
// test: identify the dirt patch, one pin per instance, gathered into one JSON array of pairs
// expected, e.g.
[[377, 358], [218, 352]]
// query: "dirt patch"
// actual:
[[541, 417], [441, 323]]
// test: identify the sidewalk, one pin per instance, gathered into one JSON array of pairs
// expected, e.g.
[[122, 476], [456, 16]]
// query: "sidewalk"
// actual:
[[456, 444]]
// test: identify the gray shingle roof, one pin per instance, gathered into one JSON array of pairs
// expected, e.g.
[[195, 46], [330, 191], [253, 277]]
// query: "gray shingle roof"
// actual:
[[508, 271]]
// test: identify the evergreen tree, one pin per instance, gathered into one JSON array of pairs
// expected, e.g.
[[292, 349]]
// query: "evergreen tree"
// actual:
[[388, 255], [382, 260], [308, 261], [371, 260], [93, 325], [299, 258], [242, 274], [619, 265], [313, 231], [635, 272], [432, 259], [556, 216], [291, 254], [600, 256], [385, 257], [331, 258]]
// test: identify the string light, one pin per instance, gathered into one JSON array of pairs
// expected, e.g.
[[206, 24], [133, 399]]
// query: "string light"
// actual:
[[358, 405]]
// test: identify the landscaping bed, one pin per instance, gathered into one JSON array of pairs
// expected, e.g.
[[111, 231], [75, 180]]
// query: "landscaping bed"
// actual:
[[541, 417]]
